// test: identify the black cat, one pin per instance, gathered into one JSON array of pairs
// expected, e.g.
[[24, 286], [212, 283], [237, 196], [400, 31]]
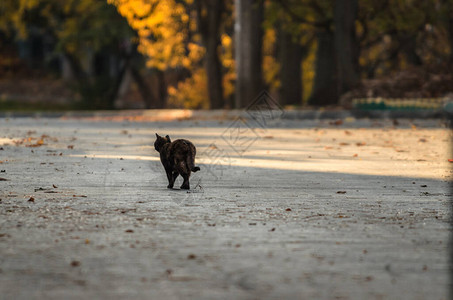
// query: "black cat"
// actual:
[[178, 158]]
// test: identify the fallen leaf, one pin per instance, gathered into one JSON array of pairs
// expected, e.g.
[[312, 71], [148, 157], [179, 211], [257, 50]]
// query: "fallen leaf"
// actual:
[[3, 179], [54, 186], [129, 231], [355, 155], [359, 144], [191, 256], [347, 132], [344, 144], [336, 122], [70, 146], [272, 229], [422, 140], [31, 199], [450, 160], [288, 209], [75, 263], [341, 192]]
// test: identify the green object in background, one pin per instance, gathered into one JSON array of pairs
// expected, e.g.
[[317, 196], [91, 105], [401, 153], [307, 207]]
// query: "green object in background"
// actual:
[[407, 104]]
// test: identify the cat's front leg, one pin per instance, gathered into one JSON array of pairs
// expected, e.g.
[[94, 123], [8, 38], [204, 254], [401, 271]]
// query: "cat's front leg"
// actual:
[[171, 179]]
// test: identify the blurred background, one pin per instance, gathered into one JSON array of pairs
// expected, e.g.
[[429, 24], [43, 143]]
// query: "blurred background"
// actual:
[[211, 54]]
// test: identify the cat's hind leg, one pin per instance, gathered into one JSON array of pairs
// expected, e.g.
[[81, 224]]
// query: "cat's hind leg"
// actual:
[[174, 176], [185, 185]]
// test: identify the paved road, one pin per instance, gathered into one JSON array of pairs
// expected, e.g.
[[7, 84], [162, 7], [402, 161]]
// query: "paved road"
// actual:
[[352, 209]]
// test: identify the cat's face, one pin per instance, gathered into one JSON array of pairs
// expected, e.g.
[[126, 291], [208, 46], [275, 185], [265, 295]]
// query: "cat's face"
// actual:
[[160, 141]]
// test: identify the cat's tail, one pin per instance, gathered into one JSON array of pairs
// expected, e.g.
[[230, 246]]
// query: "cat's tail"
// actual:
[[191, 165]]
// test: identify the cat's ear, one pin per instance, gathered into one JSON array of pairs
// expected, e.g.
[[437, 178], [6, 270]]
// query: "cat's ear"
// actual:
[[168, 137], [157, 135]]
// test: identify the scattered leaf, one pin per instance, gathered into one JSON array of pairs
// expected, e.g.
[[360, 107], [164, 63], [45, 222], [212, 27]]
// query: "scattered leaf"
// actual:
[[75, 263], [3, 179], [252, 223], [359, 144], [288, 209], [129, 231], [191, 256], [54, 186], [336, 122], [347, 132], [272, 229], [423, 185], [422, 140], [70, 146], [341, 192], [344, 144], [355, 155], [31, 199]]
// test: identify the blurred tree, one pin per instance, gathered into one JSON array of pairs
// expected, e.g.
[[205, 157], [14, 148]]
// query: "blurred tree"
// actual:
[[86, 32], [209, 20], [166, 36], [248, 50], [294, 39], [346, 46], [396, 33], [181, 34]]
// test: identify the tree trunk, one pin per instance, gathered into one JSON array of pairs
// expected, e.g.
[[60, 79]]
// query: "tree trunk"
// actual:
[[290, 54], [325, 86], [346, 46], [248, 47], [209, 13], [143, 87], [450, 32]]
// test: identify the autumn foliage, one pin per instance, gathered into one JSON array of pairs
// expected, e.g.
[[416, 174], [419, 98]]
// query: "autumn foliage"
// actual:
[[191, 53]]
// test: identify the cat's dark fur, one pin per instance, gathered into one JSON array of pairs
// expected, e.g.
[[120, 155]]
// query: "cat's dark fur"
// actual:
[[178, 158]]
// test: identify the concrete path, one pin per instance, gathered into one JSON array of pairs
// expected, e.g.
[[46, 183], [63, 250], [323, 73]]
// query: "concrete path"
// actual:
[[345, 209]]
